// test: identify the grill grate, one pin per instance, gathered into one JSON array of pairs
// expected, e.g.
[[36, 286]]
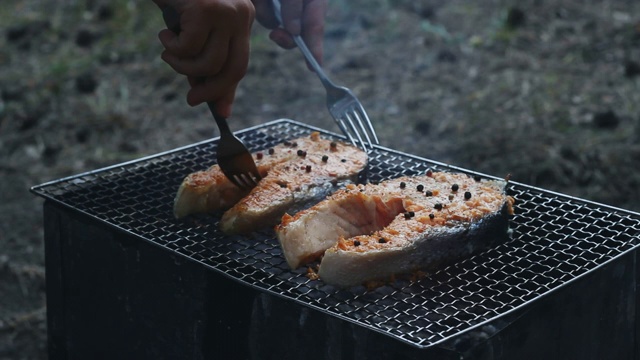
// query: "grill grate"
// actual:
[[555, 239]]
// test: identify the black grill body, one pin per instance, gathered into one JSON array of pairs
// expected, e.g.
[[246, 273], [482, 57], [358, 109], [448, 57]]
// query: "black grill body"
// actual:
[[124, 278]]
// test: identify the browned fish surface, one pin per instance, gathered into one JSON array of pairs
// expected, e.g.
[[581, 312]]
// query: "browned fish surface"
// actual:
[[294, 173], [371, 232]]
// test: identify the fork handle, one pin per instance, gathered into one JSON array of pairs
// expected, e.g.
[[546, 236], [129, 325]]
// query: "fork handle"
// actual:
[[277, 9], [223, 125]]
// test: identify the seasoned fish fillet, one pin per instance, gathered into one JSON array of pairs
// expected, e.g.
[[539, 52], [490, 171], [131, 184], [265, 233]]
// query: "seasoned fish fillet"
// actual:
[[293, 174], [372, 232]]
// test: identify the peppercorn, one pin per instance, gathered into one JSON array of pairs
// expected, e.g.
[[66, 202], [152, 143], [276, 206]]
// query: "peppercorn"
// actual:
[[451, 197], [409, 214], [271, 151], [308, 168], [294, 144], [437, 206], [431, 216], [333, 144], [259, 155], [467, 195], [356, 243], [343, 160], [454, 187], [302, 153], [325, 158], [429, 173], [477, 178], [382, 240], [420, 187], [287, 143], [428, 193], [403, 185]]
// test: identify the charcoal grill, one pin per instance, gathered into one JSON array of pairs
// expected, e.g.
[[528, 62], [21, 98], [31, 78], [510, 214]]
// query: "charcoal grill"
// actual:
[[124, 276]]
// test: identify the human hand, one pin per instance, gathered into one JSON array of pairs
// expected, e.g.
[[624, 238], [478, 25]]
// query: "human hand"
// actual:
[[300, 17], [211, 49]]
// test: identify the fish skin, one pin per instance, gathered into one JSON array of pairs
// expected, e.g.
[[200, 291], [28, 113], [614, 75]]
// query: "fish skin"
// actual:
[[290, 181], [368, 213], [438, 249]]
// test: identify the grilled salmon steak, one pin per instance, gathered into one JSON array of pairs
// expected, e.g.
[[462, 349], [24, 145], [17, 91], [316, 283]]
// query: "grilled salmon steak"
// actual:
[[375, 231], [294, 174]]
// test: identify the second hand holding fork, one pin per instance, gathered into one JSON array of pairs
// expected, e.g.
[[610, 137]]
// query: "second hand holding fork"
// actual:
[[343, 105]]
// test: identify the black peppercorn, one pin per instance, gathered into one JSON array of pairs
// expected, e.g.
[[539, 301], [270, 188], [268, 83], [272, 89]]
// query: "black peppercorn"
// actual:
[[271, 151], [437, 206], [431, 216], [287, 143], [451, 197], [382, 240], [308, 168], [356, 243], [333, 145], [343, 160], [467, 195], [428, 193], [302, 153], [325, 158], [477, 178], [403, 185], [454, 187], [420, 187], [409, 214]]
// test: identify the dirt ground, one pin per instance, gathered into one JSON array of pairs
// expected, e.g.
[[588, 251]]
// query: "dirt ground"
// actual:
[[545, 90]]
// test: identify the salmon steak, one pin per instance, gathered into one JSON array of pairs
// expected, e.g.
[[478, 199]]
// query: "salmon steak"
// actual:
[[372, 232], [295, 174]]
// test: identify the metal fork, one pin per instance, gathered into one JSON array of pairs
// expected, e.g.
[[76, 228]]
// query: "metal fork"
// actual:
[[343, 105], [234, 159]]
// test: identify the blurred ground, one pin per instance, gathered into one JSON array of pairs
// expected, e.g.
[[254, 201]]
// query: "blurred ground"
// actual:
[[546, 90]]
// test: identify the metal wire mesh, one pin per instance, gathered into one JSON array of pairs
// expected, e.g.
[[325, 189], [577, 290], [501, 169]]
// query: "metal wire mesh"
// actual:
[[555, 239]]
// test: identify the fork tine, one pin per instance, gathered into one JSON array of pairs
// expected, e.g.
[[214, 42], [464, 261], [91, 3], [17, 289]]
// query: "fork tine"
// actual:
[[245, 181], [354, 129], [345, 130], [359, 114], [239, 182], [369, 124], [235, 181], [252, 179]]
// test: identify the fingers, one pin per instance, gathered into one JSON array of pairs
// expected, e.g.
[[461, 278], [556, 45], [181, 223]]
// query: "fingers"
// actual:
[[221, 88], [292, 16], [207, 63], [194, 33], [299, 17], [313, 26], [211, 49], [282, 38], [264, 14]]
